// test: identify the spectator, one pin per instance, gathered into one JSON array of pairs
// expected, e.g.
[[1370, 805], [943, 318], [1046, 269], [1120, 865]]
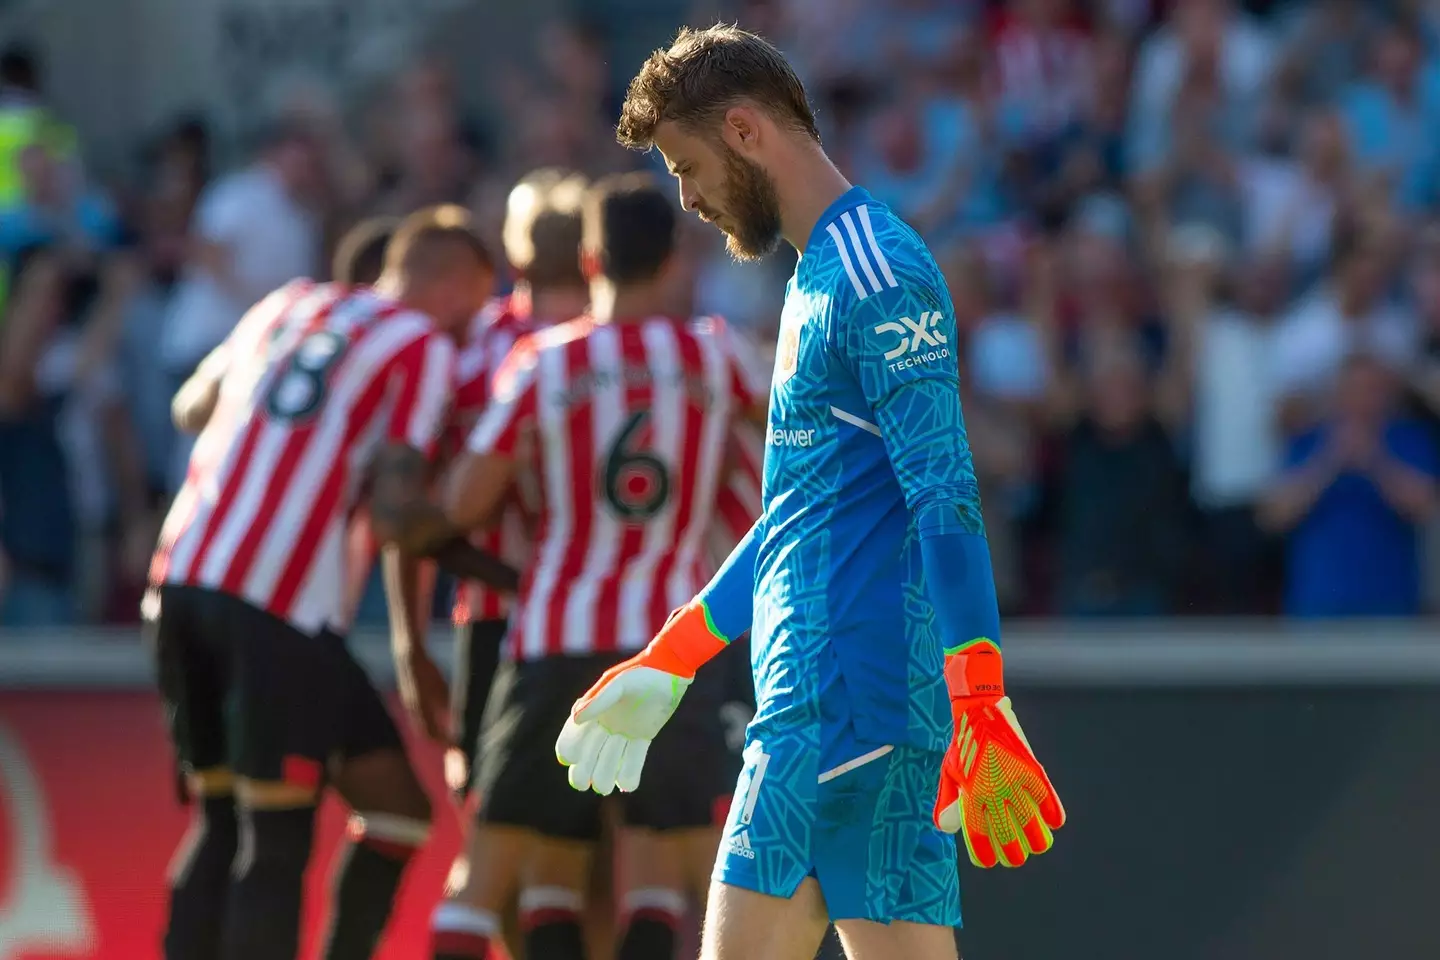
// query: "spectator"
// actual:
[[1221, 386], [57, 208], [69, 463], [1202, 38], [1390, 116], [1424, 381], [1198, 179], [1045, 67], [1088, 155], [1088, 305], [37, 528], [1289, 205], [1122, 505], [1425, 292], [1002, 371], [1355, 493], [1326, 42], [1347, 312], [26, 120], [252, 232]]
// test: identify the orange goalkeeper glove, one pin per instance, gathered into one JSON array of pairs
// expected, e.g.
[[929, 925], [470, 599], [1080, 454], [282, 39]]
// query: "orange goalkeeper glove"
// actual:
[[991, 786], [608, 734]]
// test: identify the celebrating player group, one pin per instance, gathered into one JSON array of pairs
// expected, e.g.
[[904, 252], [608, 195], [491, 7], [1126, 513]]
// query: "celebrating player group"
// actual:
[[573, 454]]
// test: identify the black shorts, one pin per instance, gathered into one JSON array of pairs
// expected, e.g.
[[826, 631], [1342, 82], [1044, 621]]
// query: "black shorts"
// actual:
[[247, 691], [477, 657], [689, 772]]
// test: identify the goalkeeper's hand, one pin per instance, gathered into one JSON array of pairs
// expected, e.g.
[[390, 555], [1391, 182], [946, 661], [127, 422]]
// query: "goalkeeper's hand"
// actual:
[[992, 789], [609, 730]]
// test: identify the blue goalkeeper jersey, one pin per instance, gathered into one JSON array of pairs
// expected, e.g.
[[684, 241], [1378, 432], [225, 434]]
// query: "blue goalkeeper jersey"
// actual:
[[865, 430]]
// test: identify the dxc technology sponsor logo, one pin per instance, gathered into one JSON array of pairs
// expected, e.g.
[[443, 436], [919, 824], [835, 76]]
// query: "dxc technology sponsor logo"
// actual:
[[917, 341]]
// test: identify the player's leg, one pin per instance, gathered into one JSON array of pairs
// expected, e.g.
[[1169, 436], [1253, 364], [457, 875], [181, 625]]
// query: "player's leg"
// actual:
[[741, 924], [656, 879], [909, 902], [471, 918], [763, 901], [285, 724], [501, 841], [552, 897], [389, 821], [673, 832], [867, 940], [477, 658], [569, 823], [193, 689]]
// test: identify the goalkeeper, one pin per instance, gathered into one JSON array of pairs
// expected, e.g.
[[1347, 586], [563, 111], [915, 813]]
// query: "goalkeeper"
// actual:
[[882, 722]]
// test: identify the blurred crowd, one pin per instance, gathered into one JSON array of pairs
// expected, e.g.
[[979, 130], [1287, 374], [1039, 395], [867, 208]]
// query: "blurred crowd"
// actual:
[[1193, 246]]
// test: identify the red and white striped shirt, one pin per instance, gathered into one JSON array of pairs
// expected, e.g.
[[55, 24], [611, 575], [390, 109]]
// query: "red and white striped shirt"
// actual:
[[627, 425], [318, 377], [491, 337], [739, 502]]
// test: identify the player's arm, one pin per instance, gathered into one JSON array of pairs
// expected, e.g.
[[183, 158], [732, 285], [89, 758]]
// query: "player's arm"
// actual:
[[899, 346], [402, 511], [475, 487], [194, 402]]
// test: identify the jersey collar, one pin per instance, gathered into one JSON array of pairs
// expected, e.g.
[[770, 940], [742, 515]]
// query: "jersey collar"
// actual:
[[848, 200]]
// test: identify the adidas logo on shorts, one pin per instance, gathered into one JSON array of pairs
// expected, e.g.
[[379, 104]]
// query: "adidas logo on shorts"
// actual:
[[740, 846]]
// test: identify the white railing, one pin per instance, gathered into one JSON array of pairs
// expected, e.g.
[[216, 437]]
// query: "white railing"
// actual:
[[1160, 653]]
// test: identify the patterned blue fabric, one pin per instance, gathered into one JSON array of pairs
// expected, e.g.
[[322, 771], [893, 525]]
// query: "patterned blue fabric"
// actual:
[[865, 434], [865, 447], [866, 834]]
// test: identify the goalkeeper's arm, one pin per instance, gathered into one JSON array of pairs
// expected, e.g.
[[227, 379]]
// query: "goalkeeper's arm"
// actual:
[[720, 612]]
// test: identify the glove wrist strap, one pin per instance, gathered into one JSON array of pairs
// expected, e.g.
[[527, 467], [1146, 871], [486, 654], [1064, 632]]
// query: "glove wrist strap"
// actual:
[[975, 669], [686, 642]]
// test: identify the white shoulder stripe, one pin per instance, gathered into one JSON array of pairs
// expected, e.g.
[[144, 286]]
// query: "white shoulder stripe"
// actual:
[[834, 232], [859, 249], [875, 246]]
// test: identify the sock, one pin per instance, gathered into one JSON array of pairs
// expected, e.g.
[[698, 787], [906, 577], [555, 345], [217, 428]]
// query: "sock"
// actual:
[[462, 933], [263, 922], [550, 917], [366, 880], [200, 882], [652, 919]]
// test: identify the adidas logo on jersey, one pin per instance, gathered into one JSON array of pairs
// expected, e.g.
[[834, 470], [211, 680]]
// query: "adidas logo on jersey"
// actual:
[[919, 341], [740, 845]]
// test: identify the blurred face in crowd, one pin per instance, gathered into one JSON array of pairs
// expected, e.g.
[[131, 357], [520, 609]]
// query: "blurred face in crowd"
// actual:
[[300, 163], [426, 86], [1397, 55], [1425, 286], [967, 277], [1040, 13], [1366, 391], [433, 157], [1201, 24], [1261, 286], [1119, 392], [1322, 144], [1363, 276], [574, 59], [900, 137], [44, 179], [1098, 270], [733, 192], [1112, 75]]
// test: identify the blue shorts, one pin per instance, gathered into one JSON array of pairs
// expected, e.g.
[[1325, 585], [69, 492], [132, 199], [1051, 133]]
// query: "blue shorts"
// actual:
[[861, 824]]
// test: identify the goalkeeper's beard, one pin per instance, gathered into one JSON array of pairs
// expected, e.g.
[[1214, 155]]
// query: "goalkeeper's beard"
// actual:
[[753, 208]]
